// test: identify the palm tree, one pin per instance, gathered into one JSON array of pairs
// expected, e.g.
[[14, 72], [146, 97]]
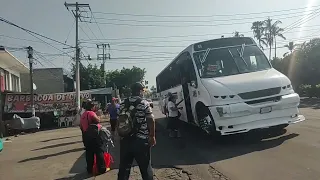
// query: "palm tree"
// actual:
[[258, 29], [271, 31], [290, 47], [277, 32], [237, 34]]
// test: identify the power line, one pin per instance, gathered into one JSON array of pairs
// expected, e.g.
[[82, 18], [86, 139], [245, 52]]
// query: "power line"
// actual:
[[49, 44], [91, 30], [97, 24], [74, 22], [300, 21], [172, 16], [203, 21], [200, 25], [31, 32], [50, 54], [166, 25], [178, 36], [85, 41], [157, 37]]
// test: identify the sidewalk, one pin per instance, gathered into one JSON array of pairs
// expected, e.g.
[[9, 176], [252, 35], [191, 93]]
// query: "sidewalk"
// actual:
[[59, 155]]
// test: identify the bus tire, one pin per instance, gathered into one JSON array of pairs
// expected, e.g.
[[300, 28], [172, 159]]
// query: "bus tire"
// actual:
[[206, 121]]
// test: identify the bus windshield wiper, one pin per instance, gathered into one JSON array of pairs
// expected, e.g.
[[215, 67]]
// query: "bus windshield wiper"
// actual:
[[234, 60], [241, 54]]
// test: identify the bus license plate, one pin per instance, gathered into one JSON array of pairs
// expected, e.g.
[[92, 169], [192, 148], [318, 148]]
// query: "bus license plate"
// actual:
[[265, 110]]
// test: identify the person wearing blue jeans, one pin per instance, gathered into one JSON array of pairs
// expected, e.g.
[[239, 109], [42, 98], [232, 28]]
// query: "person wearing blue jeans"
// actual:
[[113, 110]]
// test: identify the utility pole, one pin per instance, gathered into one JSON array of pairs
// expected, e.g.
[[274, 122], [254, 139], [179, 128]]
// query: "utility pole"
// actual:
[[77, 17], [103, 58], [30, 56]]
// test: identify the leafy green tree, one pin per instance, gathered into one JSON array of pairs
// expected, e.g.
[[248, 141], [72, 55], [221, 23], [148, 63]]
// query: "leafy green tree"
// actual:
[[302, 66], [122, 79], [91, 77]]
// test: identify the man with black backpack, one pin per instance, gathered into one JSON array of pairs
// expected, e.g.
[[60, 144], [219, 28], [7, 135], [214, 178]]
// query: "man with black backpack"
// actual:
[[136, 129]]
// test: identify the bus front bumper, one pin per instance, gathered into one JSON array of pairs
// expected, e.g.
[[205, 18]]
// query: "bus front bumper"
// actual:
[[242, 117]]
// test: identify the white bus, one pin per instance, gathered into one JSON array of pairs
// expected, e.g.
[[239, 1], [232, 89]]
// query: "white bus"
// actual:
[[228, 86]]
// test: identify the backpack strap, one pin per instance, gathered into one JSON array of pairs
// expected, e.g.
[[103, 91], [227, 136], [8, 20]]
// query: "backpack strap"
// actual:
[[136, 125]]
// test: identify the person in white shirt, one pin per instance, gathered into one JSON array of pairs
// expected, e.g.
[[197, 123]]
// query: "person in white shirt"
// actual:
[[165, 103], [173, 113]]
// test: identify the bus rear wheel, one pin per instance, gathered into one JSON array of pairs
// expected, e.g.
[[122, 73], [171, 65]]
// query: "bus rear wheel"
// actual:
[[206, 122]]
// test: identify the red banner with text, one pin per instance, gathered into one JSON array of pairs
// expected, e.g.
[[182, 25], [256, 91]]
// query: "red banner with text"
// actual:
[[18, 103]]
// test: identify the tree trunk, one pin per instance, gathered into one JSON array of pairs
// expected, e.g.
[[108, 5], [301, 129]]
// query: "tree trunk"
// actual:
[[270, 51], [275, 47]]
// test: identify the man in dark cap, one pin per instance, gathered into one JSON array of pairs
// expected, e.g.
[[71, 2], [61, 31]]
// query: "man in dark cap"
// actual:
[[138, 146]]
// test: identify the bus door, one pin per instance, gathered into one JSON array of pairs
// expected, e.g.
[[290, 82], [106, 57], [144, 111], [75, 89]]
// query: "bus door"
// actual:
[[189, 92]]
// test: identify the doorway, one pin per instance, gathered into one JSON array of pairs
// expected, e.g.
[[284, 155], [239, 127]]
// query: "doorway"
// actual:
[[185, 74]]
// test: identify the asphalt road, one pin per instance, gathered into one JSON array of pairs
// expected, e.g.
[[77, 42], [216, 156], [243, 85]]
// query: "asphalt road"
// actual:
[[291, 154]]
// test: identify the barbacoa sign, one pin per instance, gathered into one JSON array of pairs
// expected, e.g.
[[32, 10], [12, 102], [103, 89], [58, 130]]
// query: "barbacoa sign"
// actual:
[[15, 103]]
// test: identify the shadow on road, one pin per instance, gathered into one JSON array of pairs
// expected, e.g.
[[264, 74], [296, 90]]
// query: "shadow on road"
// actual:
[[78, 169], [197, 148], [313, 103], [50, 155], [80, 176], [57, 145], [48, 140]]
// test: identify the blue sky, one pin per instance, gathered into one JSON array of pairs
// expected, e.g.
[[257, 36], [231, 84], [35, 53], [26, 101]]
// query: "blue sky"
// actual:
[[154, 32]]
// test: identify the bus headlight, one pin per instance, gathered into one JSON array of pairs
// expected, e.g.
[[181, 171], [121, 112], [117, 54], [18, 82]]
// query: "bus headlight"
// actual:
[[220, 111]]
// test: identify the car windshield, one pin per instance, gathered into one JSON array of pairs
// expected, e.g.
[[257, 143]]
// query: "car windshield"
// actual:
[[230, 61]]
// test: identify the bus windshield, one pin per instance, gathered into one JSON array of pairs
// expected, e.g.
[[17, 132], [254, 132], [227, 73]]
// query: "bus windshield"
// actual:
[[230, 61]]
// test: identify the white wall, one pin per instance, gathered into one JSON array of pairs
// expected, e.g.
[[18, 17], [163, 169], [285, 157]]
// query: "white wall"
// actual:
[[13, 71]]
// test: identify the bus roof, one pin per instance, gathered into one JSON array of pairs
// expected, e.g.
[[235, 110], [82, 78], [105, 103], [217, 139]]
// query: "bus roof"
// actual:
[[215, 43]]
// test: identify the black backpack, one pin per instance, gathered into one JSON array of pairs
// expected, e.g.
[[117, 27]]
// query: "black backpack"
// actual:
[[128, 125], [92, 134]]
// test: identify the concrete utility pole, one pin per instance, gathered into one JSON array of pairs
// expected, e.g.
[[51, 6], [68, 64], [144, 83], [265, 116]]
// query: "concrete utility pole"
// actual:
[[103, 58], [77, 17], [30, 56]]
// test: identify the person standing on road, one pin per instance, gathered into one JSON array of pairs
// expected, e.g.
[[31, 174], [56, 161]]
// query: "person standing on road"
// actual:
[[92, 147], [165, 103], [113, 110], [173, 117], [138, 145]]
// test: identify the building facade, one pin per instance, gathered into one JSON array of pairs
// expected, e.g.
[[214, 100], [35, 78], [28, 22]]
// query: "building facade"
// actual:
[[11, 70], [47, 80]]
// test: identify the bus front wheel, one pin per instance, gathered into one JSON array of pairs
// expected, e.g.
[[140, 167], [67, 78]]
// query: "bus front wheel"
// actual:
[[205, 120]]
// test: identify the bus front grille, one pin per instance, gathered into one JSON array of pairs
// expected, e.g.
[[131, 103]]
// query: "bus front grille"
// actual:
[[260, 93]]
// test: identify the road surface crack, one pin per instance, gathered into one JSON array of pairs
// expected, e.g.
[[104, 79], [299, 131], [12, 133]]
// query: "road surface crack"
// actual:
[[216, 175]]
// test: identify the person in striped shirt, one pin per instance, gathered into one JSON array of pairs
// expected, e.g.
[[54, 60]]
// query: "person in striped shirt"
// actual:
[[138, 146]]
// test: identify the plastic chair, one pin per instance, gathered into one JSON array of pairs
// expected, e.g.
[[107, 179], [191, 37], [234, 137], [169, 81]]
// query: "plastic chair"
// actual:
[[62, 120], [69, 121]]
